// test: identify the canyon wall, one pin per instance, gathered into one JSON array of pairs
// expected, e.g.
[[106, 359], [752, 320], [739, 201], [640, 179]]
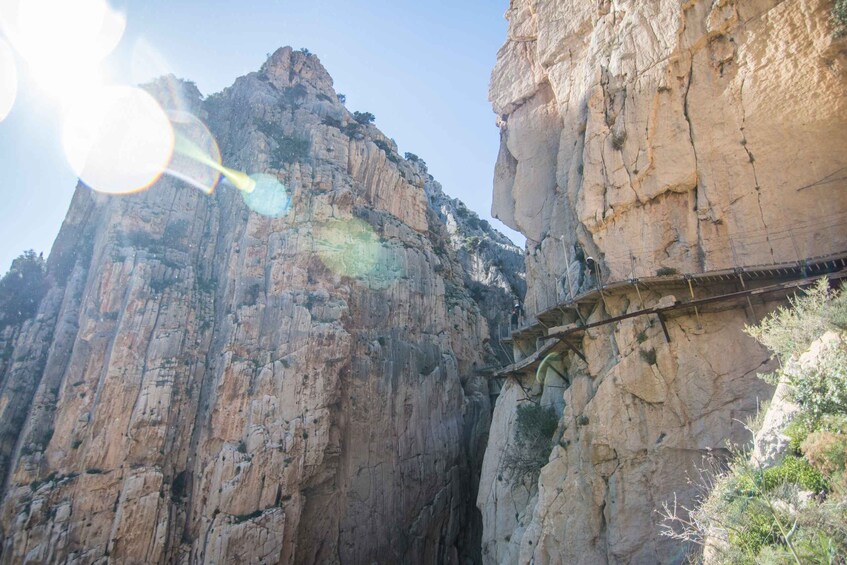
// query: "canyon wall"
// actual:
[[658, 138], [256, 379]]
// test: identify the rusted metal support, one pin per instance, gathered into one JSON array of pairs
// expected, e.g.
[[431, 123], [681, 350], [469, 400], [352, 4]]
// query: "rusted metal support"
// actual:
[[740, 272], [638, 291], [696, 311], [664, 326], [573, 348]]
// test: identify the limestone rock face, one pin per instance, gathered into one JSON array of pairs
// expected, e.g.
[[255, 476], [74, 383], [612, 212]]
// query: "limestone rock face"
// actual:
[[692, 136], [655, 137], [493, 265], [204, 383]]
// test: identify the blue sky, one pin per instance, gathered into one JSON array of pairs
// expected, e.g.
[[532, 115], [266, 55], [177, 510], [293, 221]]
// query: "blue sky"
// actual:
[[421, 67]]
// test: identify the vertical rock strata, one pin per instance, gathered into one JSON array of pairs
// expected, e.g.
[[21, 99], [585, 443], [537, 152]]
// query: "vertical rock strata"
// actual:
[[657, 138], [206, 384]]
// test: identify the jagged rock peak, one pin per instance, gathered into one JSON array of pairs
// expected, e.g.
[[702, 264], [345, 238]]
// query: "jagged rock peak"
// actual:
[[288, 67], [208, 381]]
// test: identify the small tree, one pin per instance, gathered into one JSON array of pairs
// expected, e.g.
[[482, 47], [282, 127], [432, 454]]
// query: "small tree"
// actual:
[[364, 118], [22, 288]]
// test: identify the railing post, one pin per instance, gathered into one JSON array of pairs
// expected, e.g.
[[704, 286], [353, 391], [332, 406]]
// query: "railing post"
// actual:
[[801, 262], [734, 254], [567, 268]]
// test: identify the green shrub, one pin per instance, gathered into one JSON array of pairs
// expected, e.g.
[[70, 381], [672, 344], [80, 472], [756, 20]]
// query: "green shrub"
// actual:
[[386, 148], [332, 122], [364, 118], [530, 446], [648, 355], [289, 150], [294, 95], [758, 529], [158, 286], [666, 271], [175, 232], [618, 140], [353, 130], [796, 432], [239, 518], [251, 296], [839, 18], [22, 288], [415, 159], [821, 387], [796, 471], [140, 239], [790, 330]]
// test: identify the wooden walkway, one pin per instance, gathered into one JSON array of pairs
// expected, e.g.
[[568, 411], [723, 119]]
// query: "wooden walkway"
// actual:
[[726, 288]]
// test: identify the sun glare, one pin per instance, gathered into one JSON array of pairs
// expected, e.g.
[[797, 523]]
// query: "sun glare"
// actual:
[[119, 140], [62, 42]]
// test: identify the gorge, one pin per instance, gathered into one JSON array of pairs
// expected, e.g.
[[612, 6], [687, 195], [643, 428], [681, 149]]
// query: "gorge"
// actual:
[[319, 371]]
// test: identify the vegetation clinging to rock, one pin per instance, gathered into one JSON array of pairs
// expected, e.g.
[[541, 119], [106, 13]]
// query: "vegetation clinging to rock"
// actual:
[[530, 448], [793, 511], [21, 289], [839, 18]]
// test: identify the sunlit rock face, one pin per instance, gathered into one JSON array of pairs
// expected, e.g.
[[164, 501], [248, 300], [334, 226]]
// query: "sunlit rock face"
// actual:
[[255, 378], [654, 134], [655, 137]]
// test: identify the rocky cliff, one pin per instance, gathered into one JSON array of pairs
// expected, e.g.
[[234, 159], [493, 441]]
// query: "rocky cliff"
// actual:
[[658, 138], [493, 265], [256, 379]]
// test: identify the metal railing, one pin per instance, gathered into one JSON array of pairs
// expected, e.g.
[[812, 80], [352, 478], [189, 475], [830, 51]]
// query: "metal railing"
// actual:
[[797, 244]]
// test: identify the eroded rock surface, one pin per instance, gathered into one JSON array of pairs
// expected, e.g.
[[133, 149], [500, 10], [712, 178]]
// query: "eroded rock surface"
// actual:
[[207, 384], [651, 135], [657, 138]]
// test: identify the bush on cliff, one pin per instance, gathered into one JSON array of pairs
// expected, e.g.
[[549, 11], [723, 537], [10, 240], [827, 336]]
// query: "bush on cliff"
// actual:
[[839, 18], [794, 511], [21, 289], [530, 447]]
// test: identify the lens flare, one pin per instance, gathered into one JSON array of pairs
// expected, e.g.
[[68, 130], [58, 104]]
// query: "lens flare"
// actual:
[[197, 158], [8, 80], [268, 196], [240, 180], [62, 42], [351, 248], [118, 140]]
